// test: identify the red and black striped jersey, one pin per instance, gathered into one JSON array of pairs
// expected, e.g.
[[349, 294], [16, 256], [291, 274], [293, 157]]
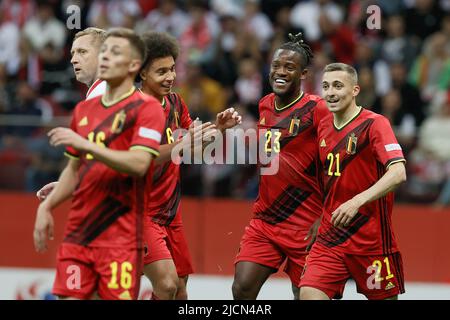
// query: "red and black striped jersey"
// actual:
[[291, 197], [353, 158], [108, 206], [165, 193]]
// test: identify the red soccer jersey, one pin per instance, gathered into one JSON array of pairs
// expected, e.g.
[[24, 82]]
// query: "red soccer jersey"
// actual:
[[291, 197], [166, 191], [107, 207], [353, 158]]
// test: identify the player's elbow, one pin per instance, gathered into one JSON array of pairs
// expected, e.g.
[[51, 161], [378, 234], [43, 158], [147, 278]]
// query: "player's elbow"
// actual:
[[140, 170], [142, 164], [400, 174]]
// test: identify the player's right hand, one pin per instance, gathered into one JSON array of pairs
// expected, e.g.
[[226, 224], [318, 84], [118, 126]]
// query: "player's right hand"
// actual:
[[45, 190], [43, 228]]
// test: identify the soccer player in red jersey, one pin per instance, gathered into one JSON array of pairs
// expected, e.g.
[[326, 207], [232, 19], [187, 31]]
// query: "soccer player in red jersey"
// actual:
[[288, 205], [111, 145], [167, 261], [85, 48], [361, 164]]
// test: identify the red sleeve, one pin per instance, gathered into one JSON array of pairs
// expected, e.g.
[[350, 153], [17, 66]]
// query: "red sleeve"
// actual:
[[70, 151], [385, 146], [321, 111], [186, 119], [149, 127]]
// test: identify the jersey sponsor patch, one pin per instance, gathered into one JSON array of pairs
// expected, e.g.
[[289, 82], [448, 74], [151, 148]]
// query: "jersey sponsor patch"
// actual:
[[149, 134], [392, 147]]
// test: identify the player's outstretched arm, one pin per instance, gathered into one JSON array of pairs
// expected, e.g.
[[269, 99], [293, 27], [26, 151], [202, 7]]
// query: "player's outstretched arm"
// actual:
[[43, 227], [228, 119], [132, 162], [45, 190], [394, 176]]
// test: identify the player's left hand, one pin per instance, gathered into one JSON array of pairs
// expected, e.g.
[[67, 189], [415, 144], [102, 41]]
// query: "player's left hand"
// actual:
[[312, 234], [43, 228], [342, 216], [67, 137], [228, 119]]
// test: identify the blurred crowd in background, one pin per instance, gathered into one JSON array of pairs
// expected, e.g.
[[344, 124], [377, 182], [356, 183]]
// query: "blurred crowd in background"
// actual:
[[226, 49]]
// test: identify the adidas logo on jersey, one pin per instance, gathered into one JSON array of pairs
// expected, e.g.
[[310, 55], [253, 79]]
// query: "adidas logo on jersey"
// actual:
[[323, 143], [263, 121], [125, 295], [83, 122], [390, 285]]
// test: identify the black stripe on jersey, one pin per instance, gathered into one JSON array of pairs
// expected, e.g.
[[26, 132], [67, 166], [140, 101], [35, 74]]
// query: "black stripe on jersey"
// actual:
[[101, 225], [160, 171], [396, 257], [284, 205], [175, 106], [140, 209], [311, 170], [106, 123], [380, 172], [166, 215], [336, 236], [104, 206], [298, 113], [365, 126], [383, 217]]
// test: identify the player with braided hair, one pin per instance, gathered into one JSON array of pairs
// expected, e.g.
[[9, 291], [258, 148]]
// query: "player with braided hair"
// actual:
[[289, 203]]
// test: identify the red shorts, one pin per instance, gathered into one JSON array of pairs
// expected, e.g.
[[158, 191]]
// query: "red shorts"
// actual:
[[167, 242], [115, 273], [377, 276], [270, 245]]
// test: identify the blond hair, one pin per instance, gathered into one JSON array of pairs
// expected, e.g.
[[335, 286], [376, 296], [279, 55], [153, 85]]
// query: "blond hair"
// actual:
[[342, 67], [98, 35]]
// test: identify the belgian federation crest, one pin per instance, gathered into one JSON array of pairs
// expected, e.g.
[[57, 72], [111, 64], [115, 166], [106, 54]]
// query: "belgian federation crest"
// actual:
[[352, 143], [119, 122], [294, 126]]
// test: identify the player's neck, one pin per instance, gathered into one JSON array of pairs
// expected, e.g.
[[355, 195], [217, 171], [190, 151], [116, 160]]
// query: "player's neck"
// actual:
[[342, 118], [116, 91], [145, 90], [284, 102]]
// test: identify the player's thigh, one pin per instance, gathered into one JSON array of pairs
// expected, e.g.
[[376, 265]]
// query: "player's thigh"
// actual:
[[75, 275], [293, 245], [120, 271], [178, 247], [378, 277], [257, 246], [325, 270], [155, 240]]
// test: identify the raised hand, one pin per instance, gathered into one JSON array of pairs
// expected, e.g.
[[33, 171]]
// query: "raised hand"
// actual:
[[67, 137], [228, 119]]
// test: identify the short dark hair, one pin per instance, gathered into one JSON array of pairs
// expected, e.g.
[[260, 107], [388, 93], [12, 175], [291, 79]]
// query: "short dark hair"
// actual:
[[135, 40], [337, 66], [159, 45], [297, 44]]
